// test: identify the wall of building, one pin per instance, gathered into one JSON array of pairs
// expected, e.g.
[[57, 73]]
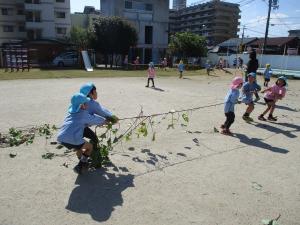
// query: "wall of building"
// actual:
[[47, 25], [216, 20], [284, 62], [157, 18]]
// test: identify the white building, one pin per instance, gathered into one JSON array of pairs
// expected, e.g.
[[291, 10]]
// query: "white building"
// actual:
[[150, 18], [34, 19]]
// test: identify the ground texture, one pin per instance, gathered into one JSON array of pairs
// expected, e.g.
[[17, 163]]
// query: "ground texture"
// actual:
[[188, 175]]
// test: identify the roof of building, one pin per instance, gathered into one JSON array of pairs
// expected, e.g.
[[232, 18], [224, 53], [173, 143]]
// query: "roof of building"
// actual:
[[236, 42], [278, 41]]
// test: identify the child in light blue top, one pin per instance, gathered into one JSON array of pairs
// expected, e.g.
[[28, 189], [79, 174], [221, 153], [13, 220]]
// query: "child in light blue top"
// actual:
[[249, 88], [230, 100], [267, 75], [71, 133], [180, 68], [94, 108]]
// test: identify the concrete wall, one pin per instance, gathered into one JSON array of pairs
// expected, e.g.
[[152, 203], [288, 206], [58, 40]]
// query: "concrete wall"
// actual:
[[277, 61]]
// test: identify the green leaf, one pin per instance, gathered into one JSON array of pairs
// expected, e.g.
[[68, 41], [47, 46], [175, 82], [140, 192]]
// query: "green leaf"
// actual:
[[185, 117]]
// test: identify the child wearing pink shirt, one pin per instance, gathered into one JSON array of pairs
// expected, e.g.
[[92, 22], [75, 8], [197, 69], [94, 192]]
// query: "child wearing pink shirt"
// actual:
[[151, 74], [272, 95]]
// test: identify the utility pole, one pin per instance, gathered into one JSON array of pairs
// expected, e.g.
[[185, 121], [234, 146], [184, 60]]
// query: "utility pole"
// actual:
[[274, 4], [242, 42]]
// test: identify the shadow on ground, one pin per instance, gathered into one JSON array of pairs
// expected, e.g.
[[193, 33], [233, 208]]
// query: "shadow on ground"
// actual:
[[280, 107], [277, 130], [98, 193], [258, 142]]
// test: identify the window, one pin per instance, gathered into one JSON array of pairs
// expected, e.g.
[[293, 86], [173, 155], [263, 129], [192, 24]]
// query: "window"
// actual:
[[32, 1], [29, 16], [7, 11], [20, 12], [148, 7], [37, 17], [61, 30], [60, 1], [21, 28], [128, 5], [8, 28], [148, 34], [60, 15]]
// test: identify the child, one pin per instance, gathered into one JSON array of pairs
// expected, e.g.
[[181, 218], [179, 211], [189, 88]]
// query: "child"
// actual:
[[71, 132], [180, 68], [230, 100], [94, 108], [249, 88], [267, 74], [272, 95], [208, 67], [151, 74]]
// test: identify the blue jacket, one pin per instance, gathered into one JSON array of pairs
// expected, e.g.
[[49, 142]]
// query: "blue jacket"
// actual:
[[73, 126], [231, 99]]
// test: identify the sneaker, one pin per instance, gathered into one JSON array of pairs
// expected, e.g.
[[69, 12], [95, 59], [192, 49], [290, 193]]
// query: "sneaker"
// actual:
[[247, 119], [271, 118], [261, 117], [153, 86], [226, 132], [147, 86], [257, 99]]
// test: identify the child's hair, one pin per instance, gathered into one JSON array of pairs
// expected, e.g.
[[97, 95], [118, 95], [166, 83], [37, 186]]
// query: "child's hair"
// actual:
[[283, 79], [92, 90]]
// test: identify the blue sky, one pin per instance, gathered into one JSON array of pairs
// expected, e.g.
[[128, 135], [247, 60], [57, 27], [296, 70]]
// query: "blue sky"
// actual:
[[253, 15]]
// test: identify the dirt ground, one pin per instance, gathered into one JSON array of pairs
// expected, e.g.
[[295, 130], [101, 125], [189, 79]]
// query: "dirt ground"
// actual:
[[188, 175]]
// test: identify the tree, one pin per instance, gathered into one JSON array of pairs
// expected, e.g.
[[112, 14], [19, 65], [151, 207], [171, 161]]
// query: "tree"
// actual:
[[79, 37], [187, 44], [113, 36]]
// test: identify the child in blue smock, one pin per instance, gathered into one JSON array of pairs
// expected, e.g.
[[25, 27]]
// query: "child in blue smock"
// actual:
[[249, 88], [180, 68], [71, 132], [267, 75], [230, 100], [94, 108]]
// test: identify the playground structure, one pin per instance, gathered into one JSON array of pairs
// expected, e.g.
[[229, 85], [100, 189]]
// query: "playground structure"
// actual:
[[15, 57]]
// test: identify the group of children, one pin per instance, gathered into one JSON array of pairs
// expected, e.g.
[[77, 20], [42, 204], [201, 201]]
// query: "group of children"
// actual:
[[271, 96], [83, 112]]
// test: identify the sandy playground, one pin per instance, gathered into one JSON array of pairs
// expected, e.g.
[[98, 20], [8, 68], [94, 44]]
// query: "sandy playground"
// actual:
[[188, 175]]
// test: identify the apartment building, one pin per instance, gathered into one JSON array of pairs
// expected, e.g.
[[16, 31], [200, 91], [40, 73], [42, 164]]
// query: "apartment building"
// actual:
[[34, 19], [150, 18], [86, 18], [179, 4], [216, 20]]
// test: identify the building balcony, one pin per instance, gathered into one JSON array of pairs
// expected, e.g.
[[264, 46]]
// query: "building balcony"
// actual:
[[34, 25]]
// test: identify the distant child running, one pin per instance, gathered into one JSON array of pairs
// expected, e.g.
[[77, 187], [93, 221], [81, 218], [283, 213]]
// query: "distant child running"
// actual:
[[272, 95], [249, 88], [267, 75], [71, 133], [151, 74], [94, 108], [230, 100], [180, 68]]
